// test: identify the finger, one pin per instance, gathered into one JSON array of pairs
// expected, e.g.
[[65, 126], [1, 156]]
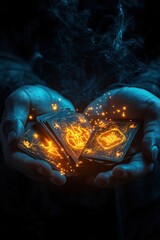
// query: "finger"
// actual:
[[123, 173], [151, 139], [57, 101], [137, 167], [38, 170], [117, 104], [15, 116], [61, 101], [106, 180], [102, 179]]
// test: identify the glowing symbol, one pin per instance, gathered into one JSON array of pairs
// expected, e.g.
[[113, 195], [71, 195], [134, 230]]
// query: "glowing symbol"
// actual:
[[27, 144], [111, 138], [77, 136], [82, 120], [50, 148], [119, 154]]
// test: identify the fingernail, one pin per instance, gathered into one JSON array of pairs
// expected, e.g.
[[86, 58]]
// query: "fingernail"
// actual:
[[11, 136], [154, 153]]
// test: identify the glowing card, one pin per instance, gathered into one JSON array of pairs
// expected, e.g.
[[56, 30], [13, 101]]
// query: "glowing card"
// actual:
[[67, 141], [41, 146], [111, 141], [72, 131]]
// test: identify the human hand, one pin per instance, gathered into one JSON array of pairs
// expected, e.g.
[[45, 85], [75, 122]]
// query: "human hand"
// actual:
[[129, 103], [29, 100]]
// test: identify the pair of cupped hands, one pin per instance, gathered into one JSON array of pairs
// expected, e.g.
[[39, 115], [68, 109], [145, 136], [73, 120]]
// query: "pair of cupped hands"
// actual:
[[139, 104]]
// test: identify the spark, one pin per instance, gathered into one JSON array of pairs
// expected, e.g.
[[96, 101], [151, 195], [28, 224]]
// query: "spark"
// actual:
[[123, 114], [54, 106], [35, 135], [30, 117]]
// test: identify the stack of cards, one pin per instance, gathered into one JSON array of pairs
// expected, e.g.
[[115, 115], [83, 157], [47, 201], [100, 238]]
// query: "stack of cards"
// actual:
[[68, 141]]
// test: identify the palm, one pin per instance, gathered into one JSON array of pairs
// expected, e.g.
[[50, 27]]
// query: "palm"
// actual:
[[24, 104], [129, 103]]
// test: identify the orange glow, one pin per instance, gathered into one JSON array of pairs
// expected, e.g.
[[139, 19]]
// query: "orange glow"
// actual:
[[90, 108], [77, 136], [54, 107], [102, 124], [119, 154], [82, 120], [133, 125], [30, 117], [35, 135], [27, 144], [123, 114], [111, 138], [50, 148]]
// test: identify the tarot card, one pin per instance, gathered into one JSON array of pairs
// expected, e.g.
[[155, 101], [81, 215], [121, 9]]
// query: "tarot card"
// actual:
[[42, 119], [72, 130], [62, 112], [110, 142], [41, 146]]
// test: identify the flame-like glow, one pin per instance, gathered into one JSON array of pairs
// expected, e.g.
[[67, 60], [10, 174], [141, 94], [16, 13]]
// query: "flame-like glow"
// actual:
[[50, 148], [27, 144], [77, 136], [111, 138]]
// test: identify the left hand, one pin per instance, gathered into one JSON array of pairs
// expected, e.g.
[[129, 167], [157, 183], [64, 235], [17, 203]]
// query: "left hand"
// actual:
[[129, 103]]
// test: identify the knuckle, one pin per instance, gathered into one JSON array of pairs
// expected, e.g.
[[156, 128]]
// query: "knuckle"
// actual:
[[17, 96]]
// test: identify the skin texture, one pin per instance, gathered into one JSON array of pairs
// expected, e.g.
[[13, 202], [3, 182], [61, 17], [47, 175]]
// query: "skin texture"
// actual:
[[18, 107], [140, 104]]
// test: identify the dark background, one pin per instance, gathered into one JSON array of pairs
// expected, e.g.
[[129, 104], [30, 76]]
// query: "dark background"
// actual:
[[136, 221]]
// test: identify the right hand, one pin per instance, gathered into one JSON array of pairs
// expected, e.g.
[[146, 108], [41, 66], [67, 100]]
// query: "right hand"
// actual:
[[18, 107]]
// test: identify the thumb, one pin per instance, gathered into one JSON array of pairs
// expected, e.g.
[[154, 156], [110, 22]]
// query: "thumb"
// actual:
[[15, 116], [151, 139]]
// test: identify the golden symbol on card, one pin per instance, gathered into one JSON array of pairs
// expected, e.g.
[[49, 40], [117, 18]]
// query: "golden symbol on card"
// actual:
[[27, 144], [50, 148], [77, 136], [111, 138]]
